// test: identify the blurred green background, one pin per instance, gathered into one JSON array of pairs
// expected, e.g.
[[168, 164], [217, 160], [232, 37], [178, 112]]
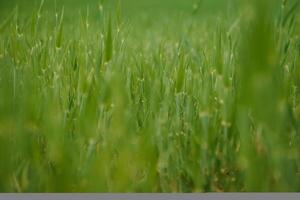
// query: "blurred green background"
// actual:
[[131, 8]]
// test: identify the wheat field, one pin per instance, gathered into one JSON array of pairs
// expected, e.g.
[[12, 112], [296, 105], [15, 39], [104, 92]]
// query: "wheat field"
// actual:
[[149, 96]]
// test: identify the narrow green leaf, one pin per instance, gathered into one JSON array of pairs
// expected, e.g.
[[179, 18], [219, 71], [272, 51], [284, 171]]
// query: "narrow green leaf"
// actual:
[[109, 42]]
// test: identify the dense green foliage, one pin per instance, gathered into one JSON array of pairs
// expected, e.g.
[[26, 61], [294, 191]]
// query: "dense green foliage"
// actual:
[[149, 96]]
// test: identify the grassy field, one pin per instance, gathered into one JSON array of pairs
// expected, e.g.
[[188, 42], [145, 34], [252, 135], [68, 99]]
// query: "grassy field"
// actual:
[[149, 96]]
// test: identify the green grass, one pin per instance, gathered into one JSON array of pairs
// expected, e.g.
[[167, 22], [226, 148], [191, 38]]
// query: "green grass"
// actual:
[[149, 96]]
